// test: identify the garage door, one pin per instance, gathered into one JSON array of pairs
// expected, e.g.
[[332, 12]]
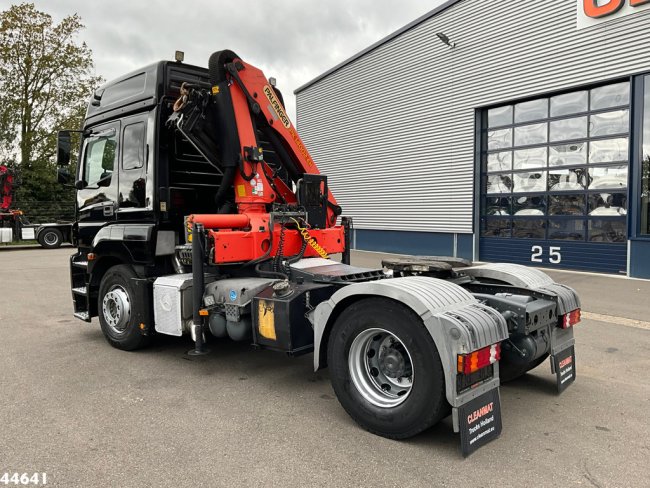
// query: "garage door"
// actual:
[[554, 180]]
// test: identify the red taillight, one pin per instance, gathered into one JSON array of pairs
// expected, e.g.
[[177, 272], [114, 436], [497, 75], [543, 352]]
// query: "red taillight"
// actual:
[[469, 363], [570, 319]]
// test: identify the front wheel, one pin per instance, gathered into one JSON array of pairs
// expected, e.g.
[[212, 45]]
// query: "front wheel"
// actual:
[[118, 309], [385, 369]]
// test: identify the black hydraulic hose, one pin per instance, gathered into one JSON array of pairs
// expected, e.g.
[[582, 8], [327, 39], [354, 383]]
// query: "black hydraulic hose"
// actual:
[[233, 69], [259, 261], [217, 65], [282, 153], [226, 184], [288, 163], [270, 179], [335, 208], [298, 256], [348, 229], [277, 260], [243, 174], [269, 274]]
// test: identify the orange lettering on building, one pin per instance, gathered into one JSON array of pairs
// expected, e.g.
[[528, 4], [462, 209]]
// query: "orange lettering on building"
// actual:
[[592, 9]]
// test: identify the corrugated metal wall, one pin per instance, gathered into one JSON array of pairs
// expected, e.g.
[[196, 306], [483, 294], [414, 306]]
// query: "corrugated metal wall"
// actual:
[[394, 129]]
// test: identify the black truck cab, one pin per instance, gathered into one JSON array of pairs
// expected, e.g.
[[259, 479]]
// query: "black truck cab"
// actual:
[[136, 179]]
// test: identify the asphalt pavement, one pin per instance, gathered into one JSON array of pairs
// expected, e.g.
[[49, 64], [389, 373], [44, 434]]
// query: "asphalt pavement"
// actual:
[[89, 415]]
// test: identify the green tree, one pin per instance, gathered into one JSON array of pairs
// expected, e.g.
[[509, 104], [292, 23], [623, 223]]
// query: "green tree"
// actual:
[[46, 78]]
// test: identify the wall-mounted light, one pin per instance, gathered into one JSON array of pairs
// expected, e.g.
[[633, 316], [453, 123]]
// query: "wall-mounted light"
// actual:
[[445, 40]]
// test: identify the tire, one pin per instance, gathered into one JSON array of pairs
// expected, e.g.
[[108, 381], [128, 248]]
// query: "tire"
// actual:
[[370, 325], [117, 310], [511, 371], [50, 238]]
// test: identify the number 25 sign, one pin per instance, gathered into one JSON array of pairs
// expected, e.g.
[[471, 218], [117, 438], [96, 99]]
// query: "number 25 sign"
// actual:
[[554, 254]]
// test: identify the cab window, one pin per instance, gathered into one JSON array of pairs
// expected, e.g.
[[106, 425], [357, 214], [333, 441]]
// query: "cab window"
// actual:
[[99, 162], [132, 187], [133, 146]]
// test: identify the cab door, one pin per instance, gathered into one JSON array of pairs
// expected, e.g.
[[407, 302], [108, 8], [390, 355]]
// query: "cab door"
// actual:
[[97, 181], [134, 201]]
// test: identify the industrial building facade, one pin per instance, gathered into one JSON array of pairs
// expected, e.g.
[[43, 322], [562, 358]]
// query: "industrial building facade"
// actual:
[[496, 131]]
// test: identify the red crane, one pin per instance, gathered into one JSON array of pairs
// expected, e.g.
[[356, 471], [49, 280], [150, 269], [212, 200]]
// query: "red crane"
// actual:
[[6, 188]]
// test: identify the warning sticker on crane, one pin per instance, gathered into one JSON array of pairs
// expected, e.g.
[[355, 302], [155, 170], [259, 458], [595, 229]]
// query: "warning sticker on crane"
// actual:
[[266, 320], [188, 230]]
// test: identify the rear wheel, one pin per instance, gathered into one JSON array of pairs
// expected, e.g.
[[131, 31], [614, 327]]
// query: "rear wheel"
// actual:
[[118, 309], [385, 369], [50, 238]]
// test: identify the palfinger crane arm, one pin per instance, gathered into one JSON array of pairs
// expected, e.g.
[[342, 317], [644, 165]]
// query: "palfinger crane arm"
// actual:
[[257, 106], [240, 126]]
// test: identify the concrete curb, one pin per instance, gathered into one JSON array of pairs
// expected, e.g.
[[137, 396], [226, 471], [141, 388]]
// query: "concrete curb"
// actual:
[[28, 247]]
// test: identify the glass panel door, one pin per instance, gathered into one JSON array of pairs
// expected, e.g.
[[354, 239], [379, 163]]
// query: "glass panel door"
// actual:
[[555, 173], [645, 162]]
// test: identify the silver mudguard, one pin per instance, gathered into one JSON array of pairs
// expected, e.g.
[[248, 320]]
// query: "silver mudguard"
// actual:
[[533, 279], [457, 322], [530, 278]]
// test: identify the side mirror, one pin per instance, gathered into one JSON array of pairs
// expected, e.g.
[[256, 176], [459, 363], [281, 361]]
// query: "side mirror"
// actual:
[[105, 179], [63, 175], [63, 143]]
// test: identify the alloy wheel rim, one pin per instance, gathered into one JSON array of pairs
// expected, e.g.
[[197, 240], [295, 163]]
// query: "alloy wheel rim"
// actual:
[[50, 238], [116, 308], [381, 368]]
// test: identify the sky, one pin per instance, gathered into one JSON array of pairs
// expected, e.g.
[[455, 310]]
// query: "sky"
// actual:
[[293, 41]]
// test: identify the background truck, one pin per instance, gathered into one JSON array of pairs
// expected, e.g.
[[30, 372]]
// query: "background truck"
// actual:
[[200, 211], [53, 234], [15, 226]]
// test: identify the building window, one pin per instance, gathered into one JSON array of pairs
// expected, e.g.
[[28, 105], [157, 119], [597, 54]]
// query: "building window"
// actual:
[[645, 163], [556, 168]]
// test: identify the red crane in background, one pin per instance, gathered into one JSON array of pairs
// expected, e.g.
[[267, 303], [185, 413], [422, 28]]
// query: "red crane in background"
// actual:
[[6, 188]]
